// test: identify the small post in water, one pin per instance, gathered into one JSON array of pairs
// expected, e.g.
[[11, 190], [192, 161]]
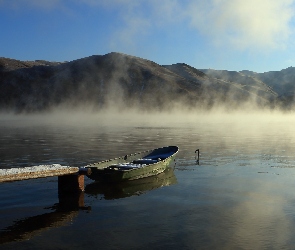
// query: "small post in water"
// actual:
[[198, 156]]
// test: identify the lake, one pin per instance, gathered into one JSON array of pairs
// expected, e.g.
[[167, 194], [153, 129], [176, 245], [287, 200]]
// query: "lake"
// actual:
[[239, 196]]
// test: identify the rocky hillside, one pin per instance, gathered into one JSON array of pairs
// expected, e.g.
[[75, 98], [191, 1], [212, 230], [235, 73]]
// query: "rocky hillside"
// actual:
[[125, 81], [281, 83]]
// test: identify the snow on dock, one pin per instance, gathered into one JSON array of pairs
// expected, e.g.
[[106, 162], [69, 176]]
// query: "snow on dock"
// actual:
[[15, 174]]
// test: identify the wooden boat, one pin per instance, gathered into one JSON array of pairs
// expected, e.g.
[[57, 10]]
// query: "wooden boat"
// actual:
[[133, 166]]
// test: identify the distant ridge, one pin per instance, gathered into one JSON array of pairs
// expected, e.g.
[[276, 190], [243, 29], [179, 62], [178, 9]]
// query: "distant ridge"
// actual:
[[126, 81], [7, 64]]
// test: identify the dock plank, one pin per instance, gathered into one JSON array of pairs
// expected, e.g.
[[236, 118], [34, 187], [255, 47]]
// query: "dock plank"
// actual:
[[41, 171]]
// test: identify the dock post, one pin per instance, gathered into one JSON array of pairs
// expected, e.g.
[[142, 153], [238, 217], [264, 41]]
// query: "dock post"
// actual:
[[71, 183], [198, 156], [70, 192]]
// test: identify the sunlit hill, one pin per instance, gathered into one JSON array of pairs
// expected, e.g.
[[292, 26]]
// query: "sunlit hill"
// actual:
[[123, 81]]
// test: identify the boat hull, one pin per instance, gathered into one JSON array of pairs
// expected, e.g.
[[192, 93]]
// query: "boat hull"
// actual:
[[101, 171]]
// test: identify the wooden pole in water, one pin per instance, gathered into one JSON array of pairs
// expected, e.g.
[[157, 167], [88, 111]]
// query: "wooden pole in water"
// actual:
[[71, 190], [73, 182], [198, 158]]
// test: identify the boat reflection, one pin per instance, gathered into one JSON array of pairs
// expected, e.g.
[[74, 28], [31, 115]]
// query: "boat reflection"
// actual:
[[119, 190], [64, 212]]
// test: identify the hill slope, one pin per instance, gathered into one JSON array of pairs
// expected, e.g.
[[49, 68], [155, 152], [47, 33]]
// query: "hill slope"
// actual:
[[121, 80]]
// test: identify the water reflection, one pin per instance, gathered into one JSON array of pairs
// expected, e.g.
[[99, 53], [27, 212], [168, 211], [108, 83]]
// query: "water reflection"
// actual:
[[136, 187], [64, 212], [67, 209]]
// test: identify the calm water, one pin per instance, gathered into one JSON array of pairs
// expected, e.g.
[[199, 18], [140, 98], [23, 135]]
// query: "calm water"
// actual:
[[240, 196]]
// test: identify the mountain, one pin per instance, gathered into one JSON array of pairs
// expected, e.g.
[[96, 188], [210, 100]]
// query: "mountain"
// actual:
[[228, 85], [97, 81], [126, 81], [282, 83]]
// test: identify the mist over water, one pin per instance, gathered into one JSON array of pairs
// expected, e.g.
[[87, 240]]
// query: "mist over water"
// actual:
[[77, 130], [240, 196]]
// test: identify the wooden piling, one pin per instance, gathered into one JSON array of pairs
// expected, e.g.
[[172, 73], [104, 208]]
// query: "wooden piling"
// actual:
[[71, 183]]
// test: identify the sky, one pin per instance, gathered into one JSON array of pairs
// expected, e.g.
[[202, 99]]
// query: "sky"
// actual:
[[256, 35]]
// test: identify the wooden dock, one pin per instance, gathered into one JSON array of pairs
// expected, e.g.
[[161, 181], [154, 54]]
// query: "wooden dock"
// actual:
[[41, 171], [70, 179]]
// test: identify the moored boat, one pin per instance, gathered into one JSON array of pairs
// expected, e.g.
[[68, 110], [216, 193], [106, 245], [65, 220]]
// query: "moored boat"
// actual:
[[133, 166]]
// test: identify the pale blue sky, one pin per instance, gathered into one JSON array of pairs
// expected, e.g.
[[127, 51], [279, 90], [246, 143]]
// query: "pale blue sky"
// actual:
[[255, 35]]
